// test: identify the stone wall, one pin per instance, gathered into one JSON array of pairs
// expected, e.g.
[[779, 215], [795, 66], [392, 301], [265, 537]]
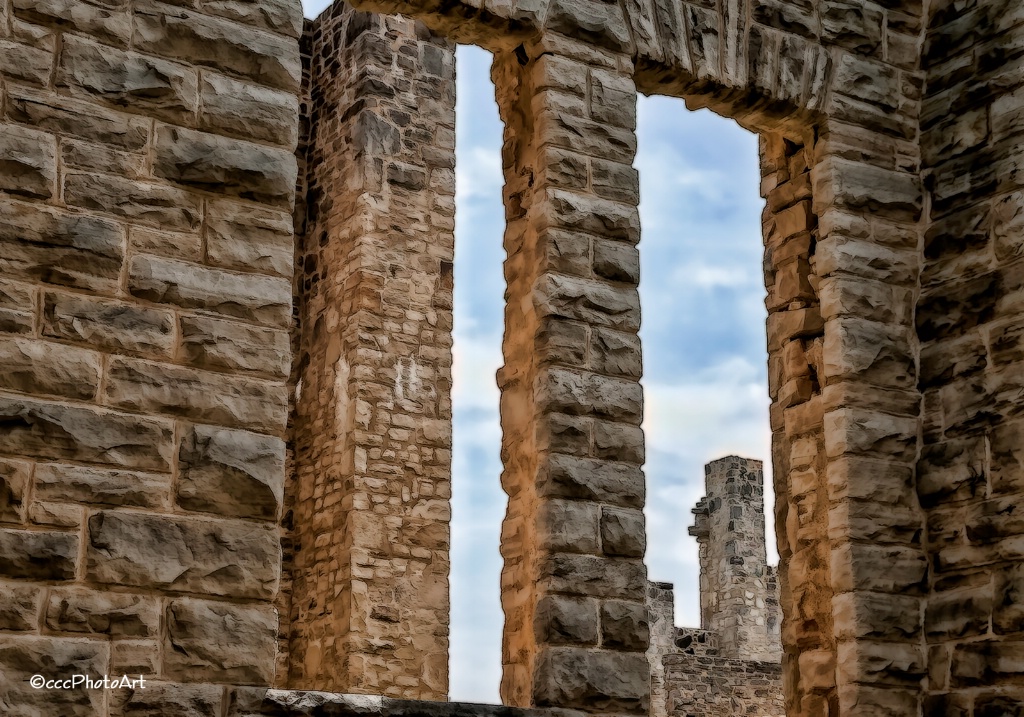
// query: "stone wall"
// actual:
[[969, 474], [372, 423], [147, 178], [712, 686]]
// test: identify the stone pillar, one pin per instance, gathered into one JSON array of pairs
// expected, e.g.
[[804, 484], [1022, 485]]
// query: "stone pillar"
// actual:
[[372, 430], [662, 616], [733, 560], [574, 581]]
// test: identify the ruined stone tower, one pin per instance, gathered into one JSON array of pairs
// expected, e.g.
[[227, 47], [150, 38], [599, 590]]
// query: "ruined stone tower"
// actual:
[[737, 599], [225, 346]]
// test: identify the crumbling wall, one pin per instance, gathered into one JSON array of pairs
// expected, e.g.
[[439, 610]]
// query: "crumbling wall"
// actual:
[[713, 686], [147, 177]]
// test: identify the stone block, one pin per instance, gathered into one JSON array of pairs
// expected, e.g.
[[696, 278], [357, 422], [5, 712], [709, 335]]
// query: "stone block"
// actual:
[[15, 477], [75, 118], [175, 245], [589, 301], [216, 557], [562, 342], [20, 606], [55, 515], [209, 162], [246, 110], [22, 656], [574, 211], [958, 613], [878, 568], [951, 470], [793, 324], [868, 433], [110, 24], [183, 34], [592, 576], [989, 662], [135, 658], [60, 483], [17, 307], [624, 625], [41, 429], [622, 532], [38, 555], [215, 344], [40, 367], [611, 482], [583, 393], [112, 325], [154, 204], [233, 473], [281, 16], [561, 620], [220, 642], [28, 161], [99, 158], [876, 615], [592, 679], [615, 353], [861, 187], [44, 244], [261, 299], [24, 63], [139, 83], [859, 700], [248, 238], [568, 526], [565, 435], [869, 300], [102, 613], [180, 699], [618, 442], [200, 395], [868, 351], [566, 252]]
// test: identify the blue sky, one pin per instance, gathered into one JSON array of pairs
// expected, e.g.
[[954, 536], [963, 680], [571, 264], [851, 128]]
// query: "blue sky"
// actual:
[[705, 382]]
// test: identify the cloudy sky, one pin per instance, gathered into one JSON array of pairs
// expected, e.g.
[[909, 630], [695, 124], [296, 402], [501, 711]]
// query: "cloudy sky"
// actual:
[[705, 381]]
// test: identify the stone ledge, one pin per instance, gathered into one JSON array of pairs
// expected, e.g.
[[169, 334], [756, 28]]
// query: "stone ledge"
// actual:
[[259, 702]]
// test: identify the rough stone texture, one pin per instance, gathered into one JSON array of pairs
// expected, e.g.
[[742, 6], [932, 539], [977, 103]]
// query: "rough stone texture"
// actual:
[[132, 303], [134, 136]]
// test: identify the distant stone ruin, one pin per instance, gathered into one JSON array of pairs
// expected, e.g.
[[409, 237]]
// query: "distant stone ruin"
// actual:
[[732, 664]]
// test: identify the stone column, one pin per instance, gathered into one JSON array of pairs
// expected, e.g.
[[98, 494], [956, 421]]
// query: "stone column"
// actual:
[[574, 581], [734, 562], [372, 430]]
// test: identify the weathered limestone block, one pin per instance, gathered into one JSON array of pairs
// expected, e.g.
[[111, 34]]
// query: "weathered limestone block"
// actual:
[[110, 24], [878, 568], [97, 157], [106, 613], [155, 204], [44, 244], [14, 482], [17, 308], [135, 657], [260, 299], [217, 557], [562, 620], [113, 325], [959, 613], [207, 161], [25, 63], [170, 698], [174, 245], [20, 606], [215, 641], [579, 393], [53, 431], [28, 161], [609, 482], [138, 83], [570, 526], [588, 301], [217, 344], [618, 441], [38, 555], [624, 625], [200, 395], [590, 575], [247, 238], [234, 473], [23, 656], [622, 532], [595, 679], [61, 483], [247, 110], [282, 16], [43, 368], [876, 615], [75, 118], [186, 35]]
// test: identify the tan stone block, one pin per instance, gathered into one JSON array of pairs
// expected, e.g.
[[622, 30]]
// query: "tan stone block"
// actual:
[[40, 367], [101, 486], [589, 575], [867, 701], [181, 699], [28, 162], [20, 606], [95, 612], [110, 24], [624, 625], [864, 432], [561, 620], [202, 40], [262, 299], [867, 351], [786, 325], [583, 393], [866, 259], [817, 669], [575, 677], [876, 615], [248, 238], [97, 157], [878, 568], [588, 301], [28, 64], [246, 110], [55, 515], [38, 555], [575, 211], [618, 442], [134, 658], [15, 477], [215, 344], [113, 325], [155, 204], [610, 482], [568, 526], [53, 431], [23, 656], [218, 557], [959, 613], [176, 245], [623, 532], [220, 642], [76, 118]]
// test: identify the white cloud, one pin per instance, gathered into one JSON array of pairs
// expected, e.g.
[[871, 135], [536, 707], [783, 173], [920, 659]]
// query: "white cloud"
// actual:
[[478, 174]]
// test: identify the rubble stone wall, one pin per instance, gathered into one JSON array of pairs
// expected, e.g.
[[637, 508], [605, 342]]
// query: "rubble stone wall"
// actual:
[[372, 425], [147, 177], [713, 686]]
